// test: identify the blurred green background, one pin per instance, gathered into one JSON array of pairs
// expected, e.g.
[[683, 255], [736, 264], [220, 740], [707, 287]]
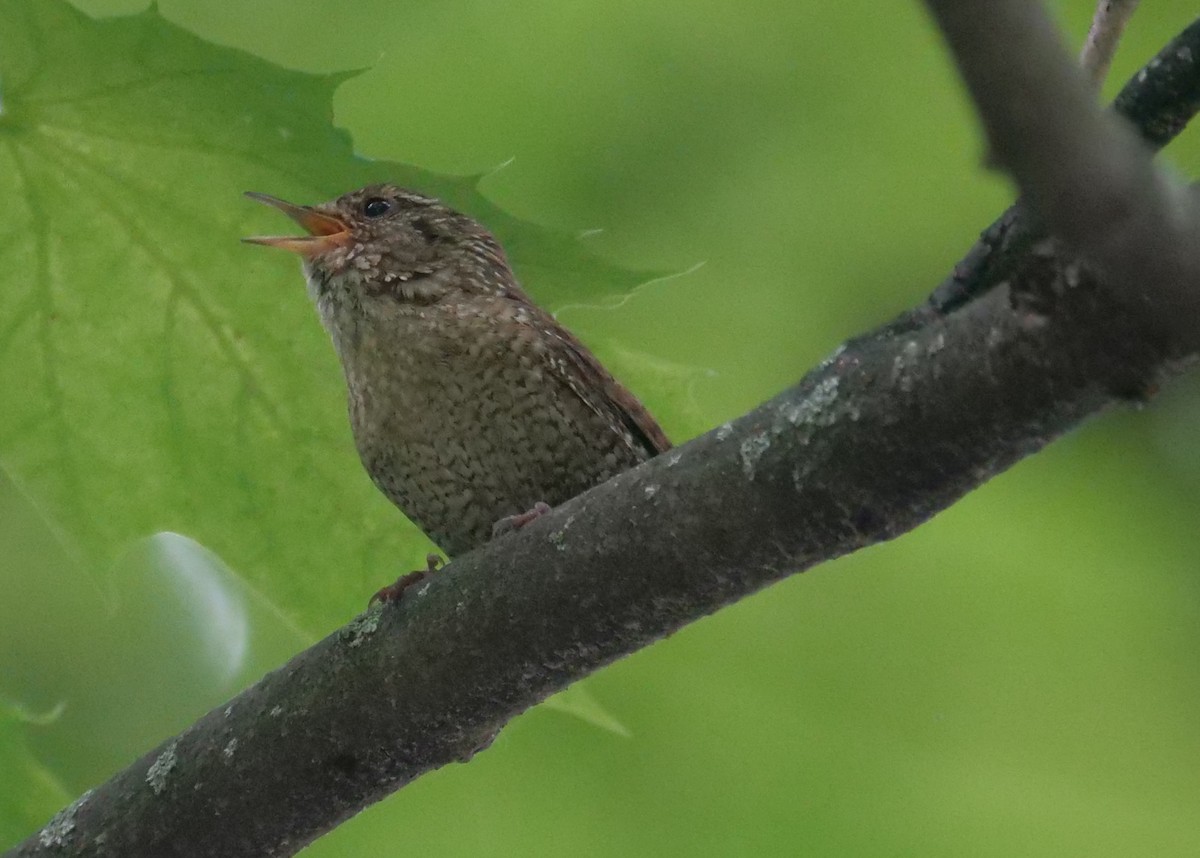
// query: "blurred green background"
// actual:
[[1019, 676]]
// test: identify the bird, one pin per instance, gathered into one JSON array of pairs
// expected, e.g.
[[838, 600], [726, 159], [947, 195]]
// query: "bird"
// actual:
[[473, 409]]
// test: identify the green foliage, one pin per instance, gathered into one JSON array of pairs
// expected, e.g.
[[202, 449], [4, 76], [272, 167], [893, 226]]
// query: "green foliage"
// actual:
[[174, 378], [181, 507], [163, 377], [32, 792]]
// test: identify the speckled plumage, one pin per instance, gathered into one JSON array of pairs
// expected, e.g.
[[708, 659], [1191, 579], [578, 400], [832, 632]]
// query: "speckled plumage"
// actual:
[[468, 402]]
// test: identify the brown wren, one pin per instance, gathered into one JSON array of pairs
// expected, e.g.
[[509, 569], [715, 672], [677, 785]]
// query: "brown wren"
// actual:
[[469, 404]]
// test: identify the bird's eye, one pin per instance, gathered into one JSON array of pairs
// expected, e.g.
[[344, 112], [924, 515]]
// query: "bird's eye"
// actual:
[[376, 207]]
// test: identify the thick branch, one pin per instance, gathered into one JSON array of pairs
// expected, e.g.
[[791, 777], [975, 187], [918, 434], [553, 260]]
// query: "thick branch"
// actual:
[[1085, 173], [880, 437]]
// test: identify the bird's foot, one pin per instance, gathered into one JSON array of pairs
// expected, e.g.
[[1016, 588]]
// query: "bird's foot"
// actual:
[[393, 592], [515, 522]]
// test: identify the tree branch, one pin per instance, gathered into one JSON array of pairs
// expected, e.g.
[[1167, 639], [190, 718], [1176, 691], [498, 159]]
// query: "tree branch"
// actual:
[[883, 435], [1159, 101], [892, 428], [1086, 174], [1100, 46]]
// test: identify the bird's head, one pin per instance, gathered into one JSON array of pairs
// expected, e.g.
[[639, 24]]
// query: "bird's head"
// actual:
[[388, 242]]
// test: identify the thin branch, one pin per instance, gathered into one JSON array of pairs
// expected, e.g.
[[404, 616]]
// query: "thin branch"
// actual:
[[892, 428], [1108, 23], [1084, 172], [1159, 101]]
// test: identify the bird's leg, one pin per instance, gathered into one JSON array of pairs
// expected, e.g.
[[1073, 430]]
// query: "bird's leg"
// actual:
[[393, 592], [515, 522]]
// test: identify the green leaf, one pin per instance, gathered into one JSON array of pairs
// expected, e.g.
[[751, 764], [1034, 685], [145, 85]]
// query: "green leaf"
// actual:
[[40, 793], [161, 376], [178, 634], [181, 506], [579, 702]]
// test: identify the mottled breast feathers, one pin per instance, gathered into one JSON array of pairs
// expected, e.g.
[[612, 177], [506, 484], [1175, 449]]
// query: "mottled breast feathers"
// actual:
[[468, 402]]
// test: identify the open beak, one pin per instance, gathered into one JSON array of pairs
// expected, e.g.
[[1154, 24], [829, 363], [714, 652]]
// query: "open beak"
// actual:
[[325, 232]]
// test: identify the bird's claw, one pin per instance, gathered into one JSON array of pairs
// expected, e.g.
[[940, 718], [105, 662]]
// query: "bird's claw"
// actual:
[[515, 522], [393, 592]]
